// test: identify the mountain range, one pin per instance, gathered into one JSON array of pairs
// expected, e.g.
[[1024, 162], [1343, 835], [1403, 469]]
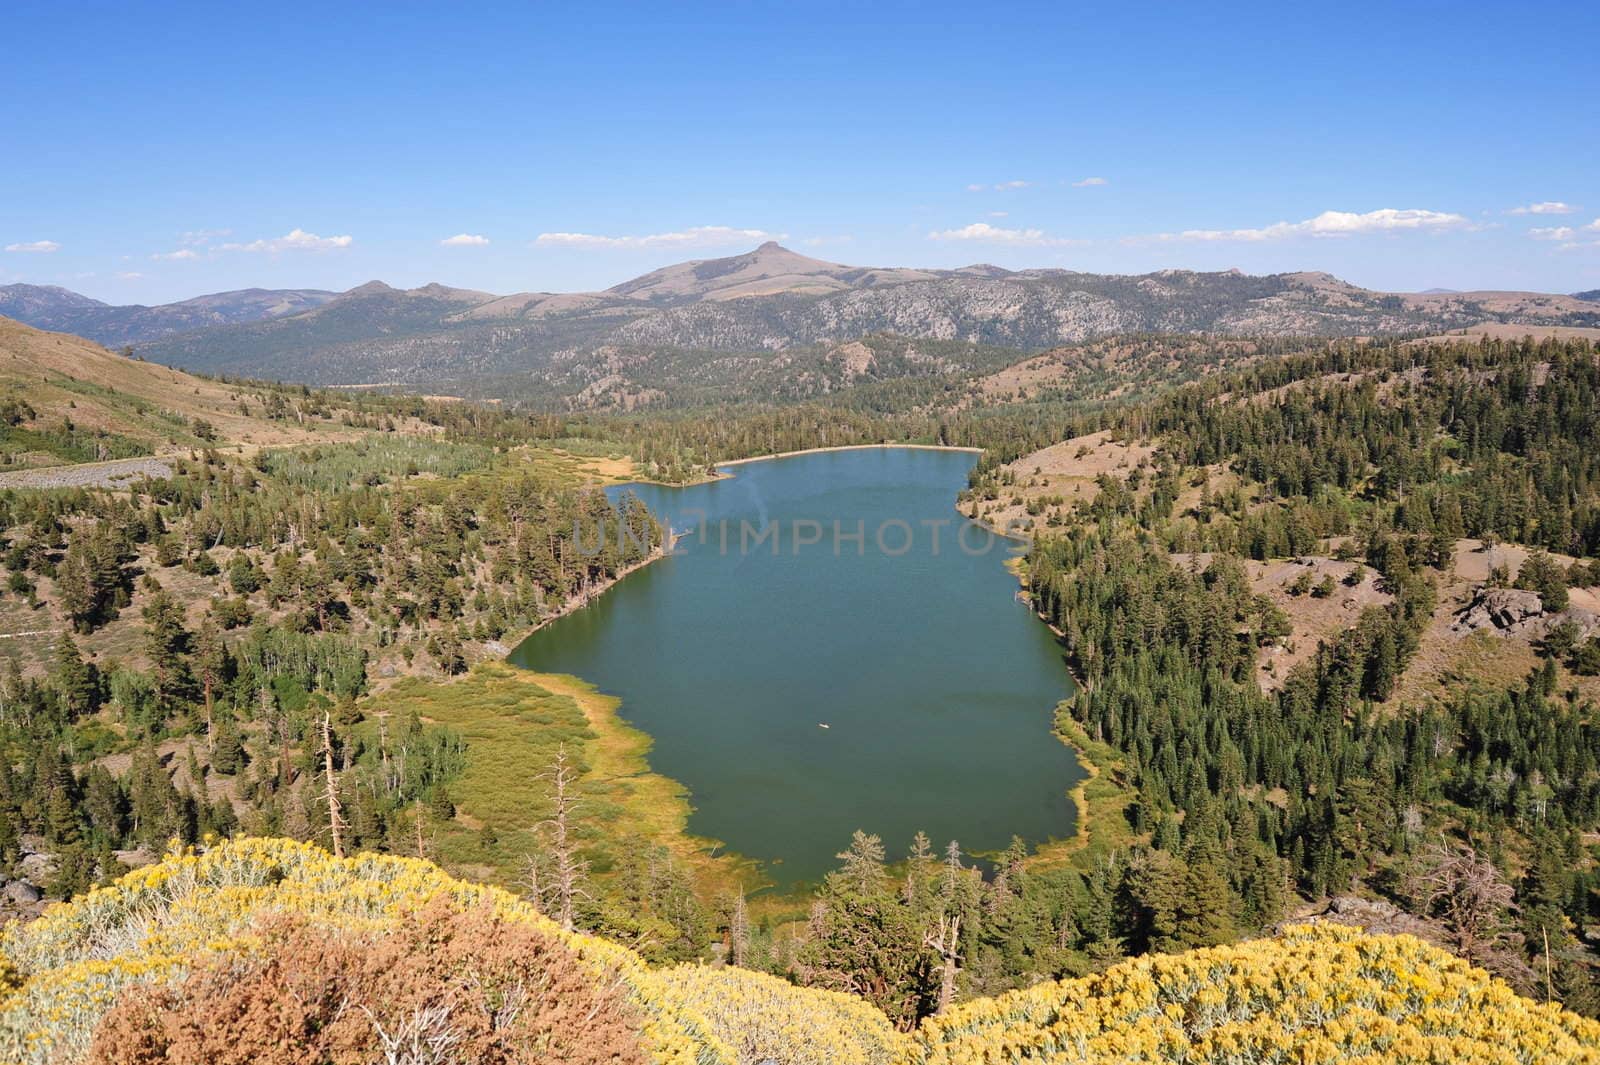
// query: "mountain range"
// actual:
[[613, 347], [64, 311]]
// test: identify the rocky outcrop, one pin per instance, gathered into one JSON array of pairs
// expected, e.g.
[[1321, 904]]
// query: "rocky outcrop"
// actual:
[[1376, 916], [1518, 612], [1506, 610]]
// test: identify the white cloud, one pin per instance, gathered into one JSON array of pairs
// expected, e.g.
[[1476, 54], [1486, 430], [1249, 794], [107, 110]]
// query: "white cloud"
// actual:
[[40, 246], [197, 237], [1547, 207], [294, 240], [985, 233], [130, 276], [176, 256], [694, 237], [465, 240], [1332, 224], [1571, 238], [1001, 187], [999, 214], [1089, 182]]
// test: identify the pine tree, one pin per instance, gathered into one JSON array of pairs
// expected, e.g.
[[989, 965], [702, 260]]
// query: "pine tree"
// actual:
[[166, 644], [104, 805], [1382, 669], [863, 939], [62, 828], [75, 680], [1203, 917], [228, 757]]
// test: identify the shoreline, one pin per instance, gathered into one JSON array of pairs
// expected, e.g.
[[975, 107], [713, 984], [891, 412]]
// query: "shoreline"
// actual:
[[1087, 807], [578, 602], [716, 468], [843, 447], [622, 755], [622, 761]]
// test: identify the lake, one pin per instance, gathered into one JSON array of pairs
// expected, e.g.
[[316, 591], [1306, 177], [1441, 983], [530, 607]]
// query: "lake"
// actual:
[[772, 619]]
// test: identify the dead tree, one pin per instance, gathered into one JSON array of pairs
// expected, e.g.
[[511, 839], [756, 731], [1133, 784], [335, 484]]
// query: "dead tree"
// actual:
[[567, 871], [953, 869], [1469, 894], [389, 781], [946, 945], [739, 931], [331, 782]]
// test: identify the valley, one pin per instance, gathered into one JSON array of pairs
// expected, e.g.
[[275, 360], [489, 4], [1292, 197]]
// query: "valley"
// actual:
[[1314, 619]]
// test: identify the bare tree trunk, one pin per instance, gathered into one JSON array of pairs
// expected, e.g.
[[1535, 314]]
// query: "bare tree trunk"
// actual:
[[332, 784], [569, 868], [211, 728], [946, 945], [383, 750], [1549, 987], [739, 932], [534, 890]]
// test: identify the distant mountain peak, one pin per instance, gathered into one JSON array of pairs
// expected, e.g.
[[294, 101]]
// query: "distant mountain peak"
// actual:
[[433, 290], [766, 270], [44, 295], [985, 270]]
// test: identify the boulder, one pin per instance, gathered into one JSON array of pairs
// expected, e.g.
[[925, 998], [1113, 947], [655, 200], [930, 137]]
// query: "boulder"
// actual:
[[37, 867], [1501, 609], [22, 893]]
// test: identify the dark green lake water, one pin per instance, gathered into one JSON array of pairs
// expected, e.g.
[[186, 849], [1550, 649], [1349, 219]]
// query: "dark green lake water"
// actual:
[[937, 685]]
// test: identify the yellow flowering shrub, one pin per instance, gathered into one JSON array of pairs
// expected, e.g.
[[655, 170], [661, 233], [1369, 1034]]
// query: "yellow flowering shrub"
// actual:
[[76, 958], [1314, 994], [764, 1018]]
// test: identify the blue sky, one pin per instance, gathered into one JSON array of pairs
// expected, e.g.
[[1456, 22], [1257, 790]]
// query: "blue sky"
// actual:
[[154, 152]]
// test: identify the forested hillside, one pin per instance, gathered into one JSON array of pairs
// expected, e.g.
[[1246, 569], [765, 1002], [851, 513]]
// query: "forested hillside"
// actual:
[[186, 637], [217, 618], [1393, 469]]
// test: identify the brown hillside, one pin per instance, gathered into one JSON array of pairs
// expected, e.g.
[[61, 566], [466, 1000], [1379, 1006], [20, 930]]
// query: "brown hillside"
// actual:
[[66, 379]]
